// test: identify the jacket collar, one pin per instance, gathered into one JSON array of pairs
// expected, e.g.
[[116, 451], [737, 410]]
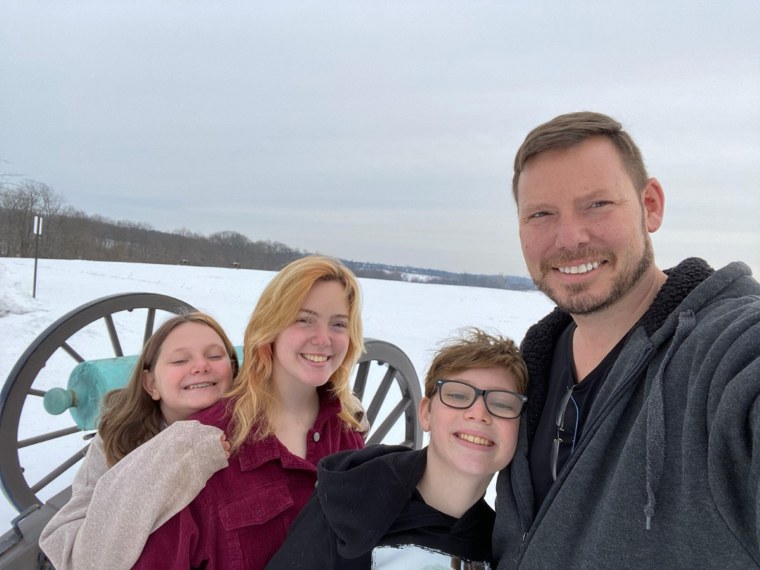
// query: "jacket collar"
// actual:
[[253, 455], [540, 339]]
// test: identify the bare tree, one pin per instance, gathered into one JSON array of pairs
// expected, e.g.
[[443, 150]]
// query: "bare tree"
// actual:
[[19, 204]]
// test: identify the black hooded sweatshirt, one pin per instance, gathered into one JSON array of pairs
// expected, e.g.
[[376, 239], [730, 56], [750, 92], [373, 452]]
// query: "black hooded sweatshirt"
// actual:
[[367, 513]]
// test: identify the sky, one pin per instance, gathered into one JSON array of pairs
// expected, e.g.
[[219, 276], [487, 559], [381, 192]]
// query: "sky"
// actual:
[[379, 131], [408, 315]]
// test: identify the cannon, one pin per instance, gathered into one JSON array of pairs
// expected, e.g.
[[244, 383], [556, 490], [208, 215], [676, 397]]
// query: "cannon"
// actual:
[[69, 367]]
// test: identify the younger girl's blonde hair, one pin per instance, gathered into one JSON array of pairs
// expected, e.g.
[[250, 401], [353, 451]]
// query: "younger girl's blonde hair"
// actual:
[[253, 400], [129, 416]]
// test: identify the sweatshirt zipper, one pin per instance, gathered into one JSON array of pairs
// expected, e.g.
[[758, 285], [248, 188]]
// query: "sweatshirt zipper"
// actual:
[[590, 428]]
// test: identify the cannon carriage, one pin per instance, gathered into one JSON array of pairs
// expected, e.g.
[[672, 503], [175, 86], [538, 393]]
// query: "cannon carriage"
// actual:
[[68, 368]]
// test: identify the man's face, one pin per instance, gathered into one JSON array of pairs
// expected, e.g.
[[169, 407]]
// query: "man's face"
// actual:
[[584, 227]]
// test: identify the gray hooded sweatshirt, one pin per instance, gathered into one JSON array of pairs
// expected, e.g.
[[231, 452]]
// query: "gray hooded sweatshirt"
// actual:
[[665, 474]]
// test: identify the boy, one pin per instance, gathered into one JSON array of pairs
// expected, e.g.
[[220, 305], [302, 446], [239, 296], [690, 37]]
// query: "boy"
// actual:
[[389, 506]]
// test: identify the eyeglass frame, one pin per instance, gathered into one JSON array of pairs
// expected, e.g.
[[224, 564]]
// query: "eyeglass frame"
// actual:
[[560, 424], [478, 392]]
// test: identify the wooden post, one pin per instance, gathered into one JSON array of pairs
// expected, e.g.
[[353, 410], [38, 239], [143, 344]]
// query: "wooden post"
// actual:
[[37, 234]]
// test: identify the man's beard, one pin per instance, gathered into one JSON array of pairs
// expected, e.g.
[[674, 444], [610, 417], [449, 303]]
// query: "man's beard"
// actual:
[[572, 299]]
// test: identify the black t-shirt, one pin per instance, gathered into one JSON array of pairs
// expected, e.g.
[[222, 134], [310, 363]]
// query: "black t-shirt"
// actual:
[[563, 378], [464, 542]]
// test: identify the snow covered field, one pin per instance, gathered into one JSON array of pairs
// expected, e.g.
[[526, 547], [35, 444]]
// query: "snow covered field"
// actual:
[[413, 316]]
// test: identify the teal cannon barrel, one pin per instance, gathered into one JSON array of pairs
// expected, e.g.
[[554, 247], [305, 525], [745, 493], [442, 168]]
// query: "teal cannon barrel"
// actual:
[[88, 383]]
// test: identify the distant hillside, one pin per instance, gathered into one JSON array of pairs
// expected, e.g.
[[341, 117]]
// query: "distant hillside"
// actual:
[[417, 274], [71, 234]]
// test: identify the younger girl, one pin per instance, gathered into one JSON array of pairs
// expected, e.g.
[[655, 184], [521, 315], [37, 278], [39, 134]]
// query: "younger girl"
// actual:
[[126, 487], [292, 405]]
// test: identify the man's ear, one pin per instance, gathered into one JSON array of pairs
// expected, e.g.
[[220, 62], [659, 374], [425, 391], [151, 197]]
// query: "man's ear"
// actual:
[[424, 413], [149, 384], [653, 202]]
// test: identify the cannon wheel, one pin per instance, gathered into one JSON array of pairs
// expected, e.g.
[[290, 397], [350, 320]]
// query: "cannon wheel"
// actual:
[[19, 385], [401, 370], [383, 371]]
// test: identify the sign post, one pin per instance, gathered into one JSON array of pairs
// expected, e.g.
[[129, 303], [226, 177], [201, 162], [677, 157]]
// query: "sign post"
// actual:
[[37, 234]]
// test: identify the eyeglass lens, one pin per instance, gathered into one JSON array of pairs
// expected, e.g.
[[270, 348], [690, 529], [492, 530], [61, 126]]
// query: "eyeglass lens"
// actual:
[[567, 429], [499, 403]]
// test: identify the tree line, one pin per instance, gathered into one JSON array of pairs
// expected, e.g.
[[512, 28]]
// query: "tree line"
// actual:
[[69, 233]]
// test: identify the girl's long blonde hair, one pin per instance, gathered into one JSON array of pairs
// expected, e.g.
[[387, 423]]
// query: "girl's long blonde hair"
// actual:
[[129, 416], [253, 400]]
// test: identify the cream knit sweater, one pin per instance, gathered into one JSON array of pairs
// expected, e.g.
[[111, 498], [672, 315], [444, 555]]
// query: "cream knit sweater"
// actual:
[[112, 511]]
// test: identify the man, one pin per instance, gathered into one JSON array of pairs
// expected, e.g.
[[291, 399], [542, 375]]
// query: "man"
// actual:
[[637, 445]]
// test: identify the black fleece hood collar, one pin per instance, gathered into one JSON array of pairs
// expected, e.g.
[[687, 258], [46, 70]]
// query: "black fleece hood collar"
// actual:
[[682, 280], [348, 488]]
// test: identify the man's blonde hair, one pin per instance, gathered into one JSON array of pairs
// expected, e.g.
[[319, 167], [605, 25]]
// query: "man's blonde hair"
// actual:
[[572, 129]]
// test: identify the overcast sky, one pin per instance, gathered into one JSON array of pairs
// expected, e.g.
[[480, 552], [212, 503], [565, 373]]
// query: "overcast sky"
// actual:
[[377, 131]]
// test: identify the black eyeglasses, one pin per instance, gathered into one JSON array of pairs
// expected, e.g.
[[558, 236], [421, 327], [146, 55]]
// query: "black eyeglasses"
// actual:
[[561, 412], [499, 403]]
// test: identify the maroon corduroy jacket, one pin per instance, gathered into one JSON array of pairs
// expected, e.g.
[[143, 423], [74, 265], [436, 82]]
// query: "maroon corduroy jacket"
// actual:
[[241, 517]]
